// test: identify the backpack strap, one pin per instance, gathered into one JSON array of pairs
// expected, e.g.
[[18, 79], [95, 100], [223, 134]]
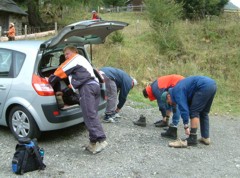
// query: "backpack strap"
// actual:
[[24, 162], [39, 159]]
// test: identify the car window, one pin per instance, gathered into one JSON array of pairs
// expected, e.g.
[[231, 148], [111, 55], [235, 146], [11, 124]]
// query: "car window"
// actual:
[[20, 57], [55, 58], [9, 58], [5, 62]]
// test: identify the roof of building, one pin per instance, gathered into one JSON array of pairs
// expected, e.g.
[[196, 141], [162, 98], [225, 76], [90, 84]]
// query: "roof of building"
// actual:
[[11, 6]]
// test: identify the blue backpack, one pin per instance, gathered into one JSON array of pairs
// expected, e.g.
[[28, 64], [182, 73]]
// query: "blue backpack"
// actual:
[[27, 157]]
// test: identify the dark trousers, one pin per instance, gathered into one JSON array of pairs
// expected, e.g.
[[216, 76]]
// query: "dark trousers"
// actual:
[[89, 100], [201, 105]]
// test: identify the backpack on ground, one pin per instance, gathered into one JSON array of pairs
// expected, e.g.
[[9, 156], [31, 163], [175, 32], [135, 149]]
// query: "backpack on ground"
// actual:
[[27, 157]]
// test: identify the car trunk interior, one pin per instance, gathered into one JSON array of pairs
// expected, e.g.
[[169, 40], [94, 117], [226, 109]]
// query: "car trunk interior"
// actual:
[[48, 64]]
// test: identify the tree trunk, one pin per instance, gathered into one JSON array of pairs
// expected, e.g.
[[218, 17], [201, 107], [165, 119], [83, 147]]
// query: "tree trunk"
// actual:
[[34, 17]]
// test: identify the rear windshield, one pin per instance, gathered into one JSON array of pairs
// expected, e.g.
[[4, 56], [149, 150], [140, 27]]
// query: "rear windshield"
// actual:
[[51, 60]]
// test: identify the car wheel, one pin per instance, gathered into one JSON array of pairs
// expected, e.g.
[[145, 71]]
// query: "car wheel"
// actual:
[[22, 123]]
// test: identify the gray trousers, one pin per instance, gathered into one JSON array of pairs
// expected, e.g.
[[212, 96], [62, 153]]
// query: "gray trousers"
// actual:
[[89, 98], [111, 92]]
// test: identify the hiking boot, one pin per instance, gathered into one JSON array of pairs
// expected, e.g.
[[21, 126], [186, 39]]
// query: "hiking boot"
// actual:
[[205, 141], [91, 147], [162, 124], [170, 133], [59, 99], [97, 147], [116, 115], [108, 118], [141, 121], [178, 144], [192, 140], [100, 146]]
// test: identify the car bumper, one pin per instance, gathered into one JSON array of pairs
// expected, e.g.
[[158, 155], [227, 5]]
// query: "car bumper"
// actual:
[[55, 115]]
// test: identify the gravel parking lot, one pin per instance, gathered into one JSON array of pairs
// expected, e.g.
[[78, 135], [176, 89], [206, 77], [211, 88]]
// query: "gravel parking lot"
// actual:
[[134, 152]]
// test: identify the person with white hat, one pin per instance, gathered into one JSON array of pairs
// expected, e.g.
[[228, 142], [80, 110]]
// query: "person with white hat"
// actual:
[[11, 32], [116, 80], [95, 16]]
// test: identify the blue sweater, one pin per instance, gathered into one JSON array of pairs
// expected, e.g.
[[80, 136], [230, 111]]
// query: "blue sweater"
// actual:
[[122, 80], [183, 92]]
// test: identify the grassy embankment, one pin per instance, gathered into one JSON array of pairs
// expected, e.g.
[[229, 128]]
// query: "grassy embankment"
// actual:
[[208, 48]]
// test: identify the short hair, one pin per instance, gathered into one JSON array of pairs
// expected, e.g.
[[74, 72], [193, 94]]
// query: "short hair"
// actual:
[[71, 48], [145, 93]]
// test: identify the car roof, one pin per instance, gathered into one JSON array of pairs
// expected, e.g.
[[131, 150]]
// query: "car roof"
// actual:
[[22, 45]]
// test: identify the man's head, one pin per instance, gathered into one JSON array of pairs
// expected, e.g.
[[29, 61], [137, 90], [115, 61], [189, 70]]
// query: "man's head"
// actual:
[[11, 24], [166, 98], [69, 51], [94, 12]]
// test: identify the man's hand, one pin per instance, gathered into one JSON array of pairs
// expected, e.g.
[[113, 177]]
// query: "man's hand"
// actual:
[[187, 131], [117, 110]]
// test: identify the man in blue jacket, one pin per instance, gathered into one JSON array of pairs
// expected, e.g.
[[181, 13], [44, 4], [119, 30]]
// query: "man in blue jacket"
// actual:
[[117, 81], [194, 96]]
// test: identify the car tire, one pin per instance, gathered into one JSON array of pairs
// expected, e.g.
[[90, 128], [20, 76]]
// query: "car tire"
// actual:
[[22, 124]]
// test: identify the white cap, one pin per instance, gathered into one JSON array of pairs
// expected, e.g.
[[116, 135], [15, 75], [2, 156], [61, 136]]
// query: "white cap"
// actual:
[[93, 11], [134, 81]]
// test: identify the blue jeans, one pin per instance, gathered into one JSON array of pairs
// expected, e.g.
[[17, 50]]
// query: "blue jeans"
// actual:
[[176, 114], [200, 106]]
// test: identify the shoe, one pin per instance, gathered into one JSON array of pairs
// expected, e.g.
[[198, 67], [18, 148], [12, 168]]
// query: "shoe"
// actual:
[[116, 115], [192, 140], [178, 144], [91, 147], [157, 122], [205, 141], [141, 121], [170, 133], [108, 118], [97, 147], [100, 146], [162, 124]]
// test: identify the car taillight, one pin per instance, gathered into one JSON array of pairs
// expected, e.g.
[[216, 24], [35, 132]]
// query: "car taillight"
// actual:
[[41, 86]]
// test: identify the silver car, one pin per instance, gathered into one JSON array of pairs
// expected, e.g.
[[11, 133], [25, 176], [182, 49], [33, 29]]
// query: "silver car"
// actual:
[[28, 103]]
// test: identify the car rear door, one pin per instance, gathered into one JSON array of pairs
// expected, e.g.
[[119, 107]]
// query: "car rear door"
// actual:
[[85, 32]]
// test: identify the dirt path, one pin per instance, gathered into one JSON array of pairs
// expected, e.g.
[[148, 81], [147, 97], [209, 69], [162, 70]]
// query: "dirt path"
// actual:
[[133, 151]]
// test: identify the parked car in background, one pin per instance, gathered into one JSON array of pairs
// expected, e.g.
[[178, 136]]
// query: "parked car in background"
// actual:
[[27, 101]]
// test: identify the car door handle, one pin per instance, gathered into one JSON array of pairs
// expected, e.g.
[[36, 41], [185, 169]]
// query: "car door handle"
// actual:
[[2, 87]]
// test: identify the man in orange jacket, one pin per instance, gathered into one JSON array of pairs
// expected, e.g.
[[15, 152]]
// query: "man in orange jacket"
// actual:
[[154, 92], [11, 32]]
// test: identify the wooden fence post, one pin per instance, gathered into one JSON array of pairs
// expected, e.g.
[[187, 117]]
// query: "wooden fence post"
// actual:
[[55, 28], [25, 31]]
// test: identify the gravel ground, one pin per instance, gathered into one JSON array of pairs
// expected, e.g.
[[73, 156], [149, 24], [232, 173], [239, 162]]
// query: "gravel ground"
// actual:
[[134, 152]]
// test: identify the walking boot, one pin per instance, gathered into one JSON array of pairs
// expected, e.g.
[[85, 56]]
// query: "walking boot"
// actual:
[[170, 133], [59, 98], [162, 123], [141, 121], [192, 140]]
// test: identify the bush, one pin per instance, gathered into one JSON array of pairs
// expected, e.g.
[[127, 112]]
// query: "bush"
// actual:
[[117, 37], [162, 15]]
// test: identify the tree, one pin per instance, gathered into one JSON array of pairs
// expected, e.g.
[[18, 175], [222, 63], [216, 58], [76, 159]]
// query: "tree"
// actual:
[[114, 2], [200, 8], [162, 15]]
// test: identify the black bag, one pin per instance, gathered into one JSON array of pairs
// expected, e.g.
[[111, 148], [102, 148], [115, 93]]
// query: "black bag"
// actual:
[[70, 97], [28, 156]]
